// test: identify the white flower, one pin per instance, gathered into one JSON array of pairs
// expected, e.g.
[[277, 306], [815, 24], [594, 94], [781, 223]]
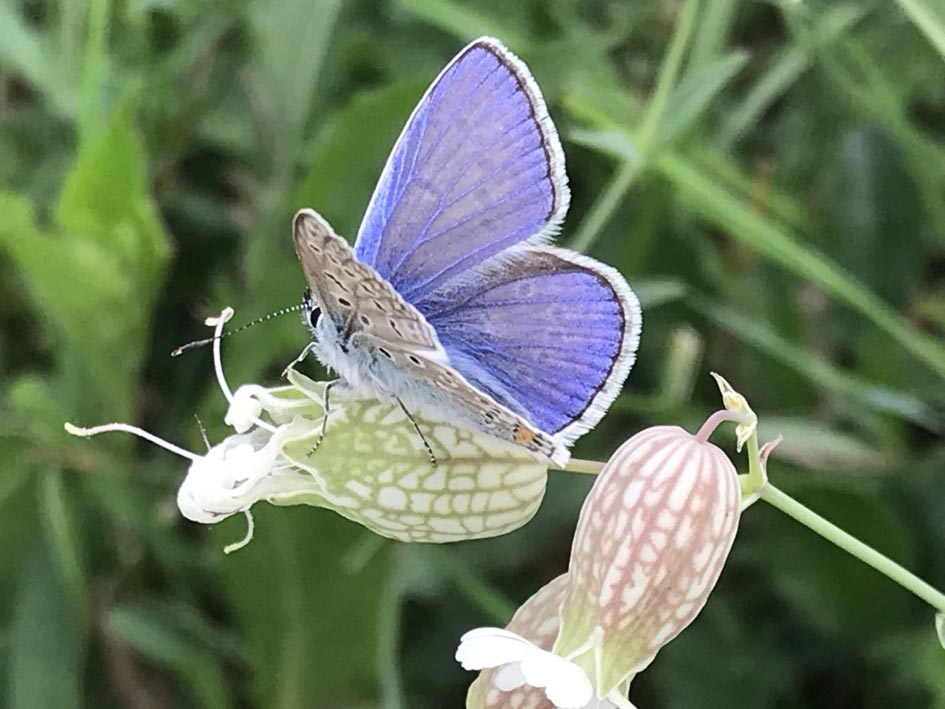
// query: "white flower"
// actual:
[[244, 410], [372, 467], [520, 663]]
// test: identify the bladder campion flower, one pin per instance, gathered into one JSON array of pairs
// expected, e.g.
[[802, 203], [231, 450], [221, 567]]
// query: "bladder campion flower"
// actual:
[[651, 540], [371, 467]]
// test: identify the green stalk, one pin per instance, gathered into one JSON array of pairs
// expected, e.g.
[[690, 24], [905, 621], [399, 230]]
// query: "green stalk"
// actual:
[[390, 684], [605, 205], [92, 82], [586, 467], [850, 544], [928, 23], [669, 72]]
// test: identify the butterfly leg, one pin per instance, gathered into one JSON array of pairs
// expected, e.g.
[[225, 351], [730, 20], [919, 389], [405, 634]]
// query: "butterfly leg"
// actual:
[[203, 432], [302, 355], [419, 432], [326, 405]]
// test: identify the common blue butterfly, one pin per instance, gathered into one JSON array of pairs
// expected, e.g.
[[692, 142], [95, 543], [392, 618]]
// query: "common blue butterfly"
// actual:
[[451, 296]]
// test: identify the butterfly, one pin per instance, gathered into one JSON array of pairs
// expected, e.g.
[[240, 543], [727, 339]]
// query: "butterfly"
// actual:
[[452, 295]]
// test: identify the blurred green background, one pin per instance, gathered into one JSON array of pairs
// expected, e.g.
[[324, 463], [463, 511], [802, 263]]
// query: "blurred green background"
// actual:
[[769, 176]]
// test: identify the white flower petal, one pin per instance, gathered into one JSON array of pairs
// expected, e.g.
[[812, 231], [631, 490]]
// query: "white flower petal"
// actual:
[[244, 410], [508, 677], [491, 647], [565, 684]]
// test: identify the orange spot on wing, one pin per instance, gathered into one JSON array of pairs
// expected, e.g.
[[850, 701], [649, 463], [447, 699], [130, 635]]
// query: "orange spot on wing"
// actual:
[[522, 435]]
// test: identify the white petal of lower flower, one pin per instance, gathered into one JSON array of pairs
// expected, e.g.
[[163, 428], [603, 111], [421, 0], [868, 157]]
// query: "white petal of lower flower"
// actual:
[[509, 677], [566, 685], [491, 647]]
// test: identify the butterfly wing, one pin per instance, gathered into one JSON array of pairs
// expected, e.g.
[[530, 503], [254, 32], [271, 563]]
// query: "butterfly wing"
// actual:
[[478, 410], [376, 319], [547, 332], [353, 294], [477, 169]]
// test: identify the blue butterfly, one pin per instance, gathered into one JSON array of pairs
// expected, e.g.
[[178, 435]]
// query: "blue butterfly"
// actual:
[[451, 296]]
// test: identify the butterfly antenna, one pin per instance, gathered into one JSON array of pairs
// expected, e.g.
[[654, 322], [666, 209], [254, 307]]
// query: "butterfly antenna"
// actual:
[[265, 318]]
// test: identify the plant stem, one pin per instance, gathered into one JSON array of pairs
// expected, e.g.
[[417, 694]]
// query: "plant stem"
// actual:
[[390, 684], [91, 83], [578, 465], [605, 205], [925, 19], [669, 71], [850, 544]]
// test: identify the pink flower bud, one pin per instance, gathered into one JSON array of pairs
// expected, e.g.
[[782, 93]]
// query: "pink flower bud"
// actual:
[[650, 543]]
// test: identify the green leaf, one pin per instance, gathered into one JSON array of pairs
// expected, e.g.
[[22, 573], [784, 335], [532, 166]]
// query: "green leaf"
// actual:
[[813, 444], [94, 69], [96, 278], [107, 202], [711, 35], [875, 215], [19, 519], [929, 20], [349, 153], [157, 635], [45, 665], [26, 51], [291, 39], [742, 222], [467, 21], [816, 369], [654, 292], [310, 619], [98, 334], [784, 68], [64, 538], [695, 92]]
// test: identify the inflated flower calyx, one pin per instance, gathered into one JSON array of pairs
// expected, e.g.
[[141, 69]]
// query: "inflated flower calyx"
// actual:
[[651, 540], [371, 466], [650, 544]]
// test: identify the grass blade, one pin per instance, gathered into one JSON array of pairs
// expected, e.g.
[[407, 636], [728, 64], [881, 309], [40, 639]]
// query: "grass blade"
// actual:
[[929, 23], [743, 223]]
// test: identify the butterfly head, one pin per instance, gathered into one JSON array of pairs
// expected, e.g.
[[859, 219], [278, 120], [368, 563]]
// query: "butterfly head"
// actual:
[[310, 310]]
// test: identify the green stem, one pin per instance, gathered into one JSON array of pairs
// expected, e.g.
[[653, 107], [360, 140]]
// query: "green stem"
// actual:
[[629, 171], [756, 477], [93, 70], [605, 205], [850, 544], [390, 686], [669, 72], [925, 19], [578, 465]]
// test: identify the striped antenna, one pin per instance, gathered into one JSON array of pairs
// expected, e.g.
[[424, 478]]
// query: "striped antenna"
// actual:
[[265, 318]]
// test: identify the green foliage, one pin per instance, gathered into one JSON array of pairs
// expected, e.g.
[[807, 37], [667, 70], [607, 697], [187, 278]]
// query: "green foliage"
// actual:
[[769, 177]]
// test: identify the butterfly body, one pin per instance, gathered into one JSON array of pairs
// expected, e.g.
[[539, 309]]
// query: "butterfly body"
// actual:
[[450, 296]]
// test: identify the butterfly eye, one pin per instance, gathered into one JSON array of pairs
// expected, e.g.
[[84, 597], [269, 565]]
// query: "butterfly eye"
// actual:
[[310, 309]]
